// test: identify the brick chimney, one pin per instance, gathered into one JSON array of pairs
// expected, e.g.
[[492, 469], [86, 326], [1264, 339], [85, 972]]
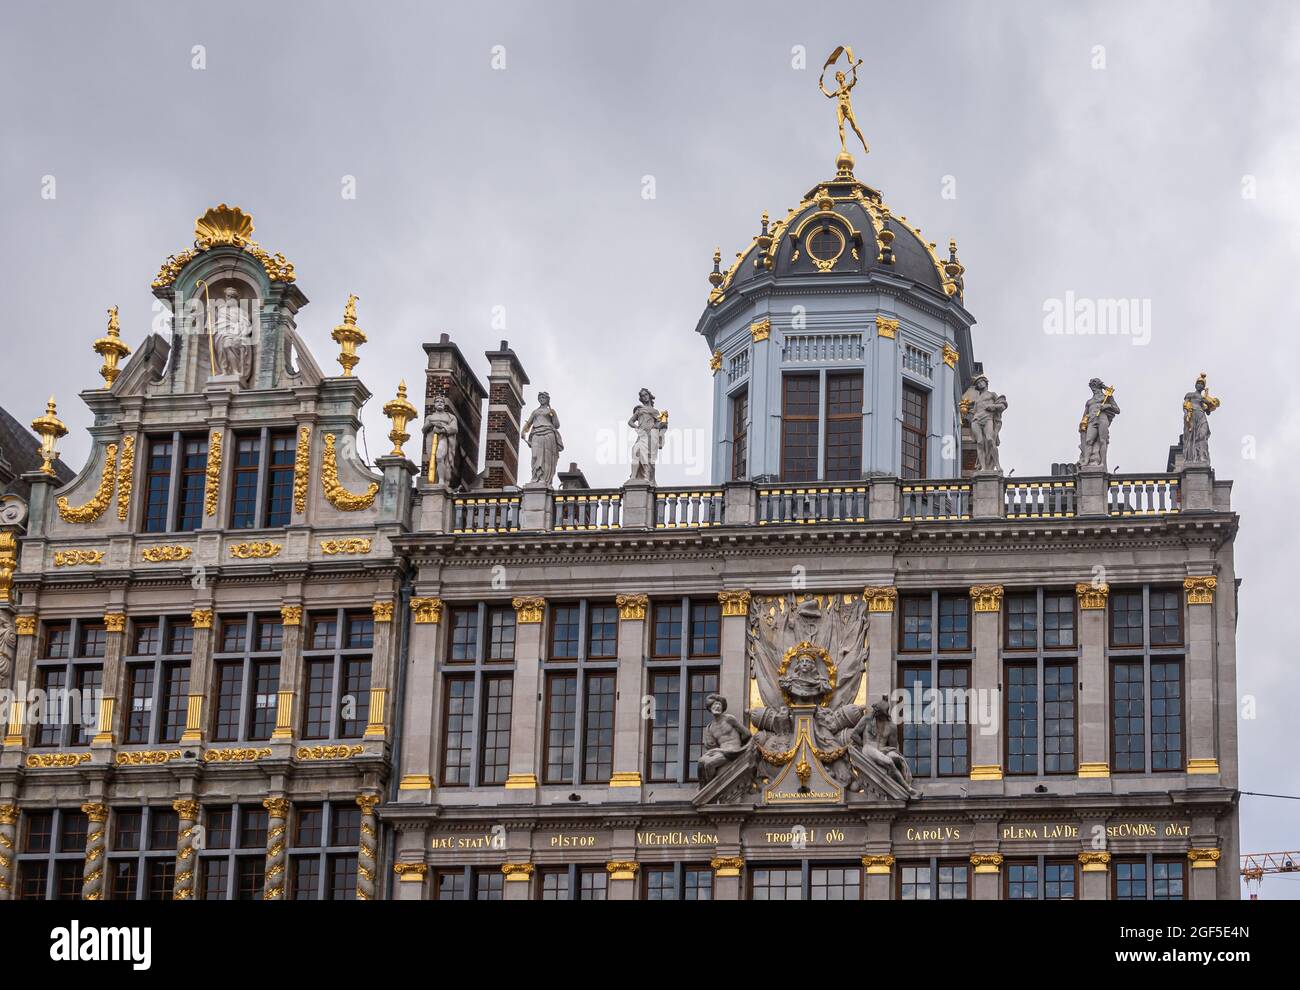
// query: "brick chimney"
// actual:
[[506, 381], [449, 375]]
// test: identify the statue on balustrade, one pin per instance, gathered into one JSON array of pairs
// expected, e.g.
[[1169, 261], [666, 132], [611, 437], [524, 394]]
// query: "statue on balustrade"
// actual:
[[1094, 428], [1197, 406], [650, 425], [440, 436], [984, 409], [724, 739], [542, 431]]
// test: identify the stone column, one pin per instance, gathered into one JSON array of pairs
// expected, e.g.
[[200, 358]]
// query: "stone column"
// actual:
[[1094, 728], [628, 691], [417, 754], [880, 640], [277, 815], [290, 672], [986, 747], [379, 668], [518, 881], [622, 879], [187, 813], [1202, 748], [988, 876], [1204, 874], [726, 877], [114, 675], [8, 831], [410, 880], [880, 876], [92, 877], [1095, 870], [200, 674], [735, 630], [25, 627], [521, 782], [367, 855]]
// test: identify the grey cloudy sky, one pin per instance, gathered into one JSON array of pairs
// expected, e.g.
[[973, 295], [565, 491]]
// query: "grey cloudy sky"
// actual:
[[519, 192]]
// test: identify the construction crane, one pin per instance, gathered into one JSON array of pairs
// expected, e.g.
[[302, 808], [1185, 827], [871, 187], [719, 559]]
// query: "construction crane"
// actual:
[[1255, 865]]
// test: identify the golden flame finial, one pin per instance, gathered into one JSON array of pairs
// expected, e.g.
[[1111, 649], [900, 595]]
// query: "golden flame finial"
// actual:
[[401, 412], [111, 349], [348, 336], [49, 428]]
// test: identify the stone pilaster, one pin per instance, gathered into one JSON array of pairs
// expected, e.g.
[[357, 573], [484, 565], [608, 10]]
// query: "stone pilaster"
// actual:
[[200, 674], [1204, 870], [632, 610], [187, 813], [417, 752], [735, 629], [25, 626], [8, 832], [410, 880], [277, 841], [1094, 869], [986, 746], [379, 668], [726, 877], [518, 881], [92, 877], [367, 848], [286, 712], [530, 613], [988, 876], [1094, 760], [622, 879], [880, 640], [1202, 737], [880, 876], [114, 677]]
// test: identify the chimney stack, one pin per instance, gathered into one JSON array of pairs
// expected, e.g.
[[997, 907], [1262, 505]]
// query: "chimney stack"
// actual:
[[506, 381]]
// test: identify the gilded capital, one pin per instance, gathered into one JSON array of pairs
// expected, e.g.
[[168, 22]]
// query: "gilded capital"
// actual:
[[428, 610], [885, 327], [632, 606], [529, 610], [368, 803], [186, 810], [115, 622], [1094, 862], [382, 611], [878, 864], [95, 811], [291, 615], [950, 355], [517, 871], [1203, 859], [1092, 595], [986, 862], [734, 602], [622, 869], [202, 618], [276, 807], [1200, 590], [25, 625], [715, 362], [880, 598], [987, 597], [8, 814], [760, 329], [727, 866], [410, 872]]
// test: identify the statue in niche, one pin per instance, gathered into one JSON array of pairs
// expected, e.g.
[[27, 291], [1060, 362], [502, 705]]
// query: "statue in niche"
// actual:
[[723, 739], [8, 644], [440, 437], [542, 431], [232, 339], [1197, 406], [1094, 428], [650, 425], [985, 409]]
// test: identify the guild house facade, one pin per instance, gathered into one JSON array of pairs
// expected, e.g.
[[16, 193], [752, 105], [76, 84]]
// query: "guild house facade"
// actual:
[[241, 662]]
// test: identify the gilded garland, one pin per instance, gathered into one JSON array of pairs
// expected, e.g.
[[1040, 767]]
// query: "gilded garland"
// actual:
[[125, 476], [212, 485], [334, 492], [93, 509], [301, 470]]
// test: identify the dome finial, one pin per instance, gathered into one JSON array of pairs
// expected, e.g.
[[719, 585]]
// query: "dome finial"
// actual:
[[715, 276]]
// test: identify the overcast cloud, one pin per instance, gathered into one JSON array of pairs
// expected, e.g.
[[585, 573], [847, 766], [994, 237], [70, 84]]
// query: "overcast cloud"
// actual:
[[484, 193]]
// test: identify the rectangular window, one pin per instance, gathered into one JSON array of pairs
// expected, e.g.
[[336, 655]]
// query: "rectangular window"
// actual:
[[915, 430], [1059, 881], [706, 626], [602, 632], [264, 700], [954, 881], [158, 481], [915, 730], [1166, 617], [354, 683], [1021, 688], [740, 435], [450, 885], [561, 727], [501, 634], [458, 731], [494, 753], [844, 426], [489, 885], [913, 883], [1130, 880], [1021, 622], [1059, 718], [1126, 618], [1058, 620], [565, 625], [667, 631], [320, 709], [174, 700], [194, 468], [1166, 715], [703, 683], [593, 884], [279, 481], [665, 688], [243, 499], [835, 883], [954, 622], [954, 724], [598, 729], [800, 401], [776, 883], [225, 727], [554, 885], [53, 681], [140, 715], [464, 634], [1128, 716], [1168, 879], [1021, 882], [915, 627]]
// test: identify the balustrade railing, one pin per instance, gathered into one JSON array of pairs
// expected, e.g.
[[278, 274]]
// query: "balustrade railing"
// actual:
[[936, 501], [485, 514], [1144, 495], [813, 504], [588, 510], [677, 508], [1039, 498]]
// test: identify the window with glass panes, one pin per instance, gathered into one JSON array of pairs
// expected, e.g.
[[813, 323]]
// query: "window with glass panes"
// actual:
[[580, 671], [1039, 682], [932, 879], [246, 676], [336, 670], [477, 692], [175, 474], [51, 855], [69, 670], [1147, 698], [232, 862], [572, 883], [805, 881], [157, 663], [477, 883], [800, 412], [740, 435], [934, 669], [1149, 878], [682, 671], [676, 882], [323, 851], [843, 425], [141, 854], [915, 427], [262, 479]]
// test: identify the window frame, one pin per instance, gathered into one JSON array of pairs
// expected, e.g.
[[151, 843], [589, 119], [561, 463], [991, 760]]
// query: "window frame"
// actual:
[[477, 671], [921, 433], [936, 661], [934, 884], [687, 664], [584, 669], [49, 861], [805, 868], [339, 656], [233, 854], [325, 853], [739, 420], [144, 856], [70, 732], [250, 660], [177, 472], [1039, 657], [1147, 654]]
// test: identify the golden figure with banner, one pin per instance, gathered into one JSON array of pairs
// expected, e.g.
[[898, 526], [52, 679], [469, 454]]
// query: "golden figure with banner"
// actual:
[[841, 94]]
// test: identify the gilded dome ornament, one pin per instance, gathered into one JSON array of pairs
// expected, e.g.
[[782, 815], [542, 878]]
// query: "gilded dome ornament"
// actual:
[[225, 226]]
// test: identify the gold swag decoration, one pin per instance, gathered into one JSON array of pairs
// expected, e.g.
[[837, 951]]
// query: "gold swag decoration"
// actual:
[[338, 496], [125, 476], [212, 479], [93, 509]]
